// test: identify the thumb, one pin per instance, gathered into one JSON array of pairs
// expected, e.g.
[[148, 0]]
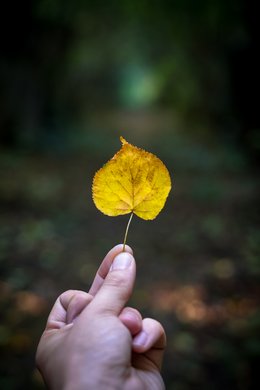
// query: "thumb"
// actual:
[[117, 287]]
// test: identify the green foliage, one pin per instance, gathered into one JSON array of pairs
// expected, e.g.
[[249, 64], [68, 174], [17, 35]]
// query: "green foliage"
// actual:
[[83, 56]]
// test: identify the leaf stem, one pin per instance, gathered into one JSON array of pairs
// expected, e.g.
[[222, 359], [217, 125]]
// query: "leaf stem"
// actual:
[[126, 232]]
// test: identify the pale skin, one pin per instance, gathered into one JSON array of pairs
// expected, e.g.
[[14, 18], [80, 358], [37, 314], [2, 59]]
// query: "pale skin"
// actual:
[[94, 341]]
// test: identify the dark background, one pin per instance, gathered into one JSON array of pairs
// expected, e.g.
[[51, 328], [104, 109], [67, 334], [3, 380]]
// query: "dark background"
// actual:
[[179, 79]]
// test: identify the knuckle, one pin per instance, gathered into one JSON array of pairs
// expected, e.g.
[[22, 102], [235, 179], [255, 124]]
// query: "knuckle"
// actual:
[[132, 310], [67, 293]]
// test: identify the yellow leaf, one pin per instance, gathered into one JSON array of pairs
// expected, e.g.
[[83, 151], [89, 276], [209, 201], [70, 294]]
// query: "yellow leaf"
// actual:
[[133, 181]]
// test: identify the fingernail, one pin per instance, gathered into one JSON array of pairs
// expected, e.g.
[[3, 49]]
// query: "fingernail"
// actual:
[[141, 338], [121, 261]]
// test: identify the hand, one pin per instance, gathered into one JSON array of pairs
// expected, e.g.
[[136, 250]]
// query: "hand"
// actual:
[[92, 341]]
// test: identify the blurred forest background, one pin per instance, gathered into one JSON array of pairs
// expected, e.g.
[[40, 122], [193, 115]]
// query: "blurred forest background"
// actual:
[[177, 78]]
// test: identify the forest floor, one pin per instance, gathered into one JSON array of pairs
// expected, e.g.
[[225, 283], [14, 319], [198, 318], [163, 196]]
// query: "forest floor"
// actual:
[[197, 262]]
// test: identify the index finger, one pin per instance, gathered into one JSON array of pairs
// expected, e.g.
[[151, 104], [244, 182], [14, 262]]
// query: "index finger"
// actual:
[[105, 266], [67, 306]]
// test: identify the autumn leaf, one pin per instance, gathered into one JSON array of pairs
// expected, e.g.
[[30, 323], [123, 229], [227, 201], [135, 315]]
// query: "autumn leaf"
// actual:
[[133, 181]]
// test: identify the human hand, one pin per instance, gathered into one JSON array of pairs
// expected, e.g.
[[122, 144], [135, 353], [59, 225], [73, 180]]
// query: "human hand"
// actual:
[[92, 341]]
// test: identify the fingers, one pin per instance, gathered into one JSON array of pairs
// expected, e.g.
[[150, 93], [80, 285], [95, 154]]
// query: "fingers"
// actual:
[[151, 341], [132, 319], [67, 307], [117, 286], [77, 303], [71, 303], [105, 266]]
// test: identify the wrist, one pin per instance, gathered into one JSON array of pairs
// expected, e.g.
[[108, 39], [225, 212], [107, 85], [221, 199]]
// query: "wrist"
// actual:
[[100, 383], [96, 377]]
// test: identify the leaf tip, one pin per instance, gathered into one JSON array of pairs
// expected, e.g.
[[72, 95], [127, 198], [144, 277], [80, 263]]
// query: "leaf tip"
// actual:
[[123, 141]]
